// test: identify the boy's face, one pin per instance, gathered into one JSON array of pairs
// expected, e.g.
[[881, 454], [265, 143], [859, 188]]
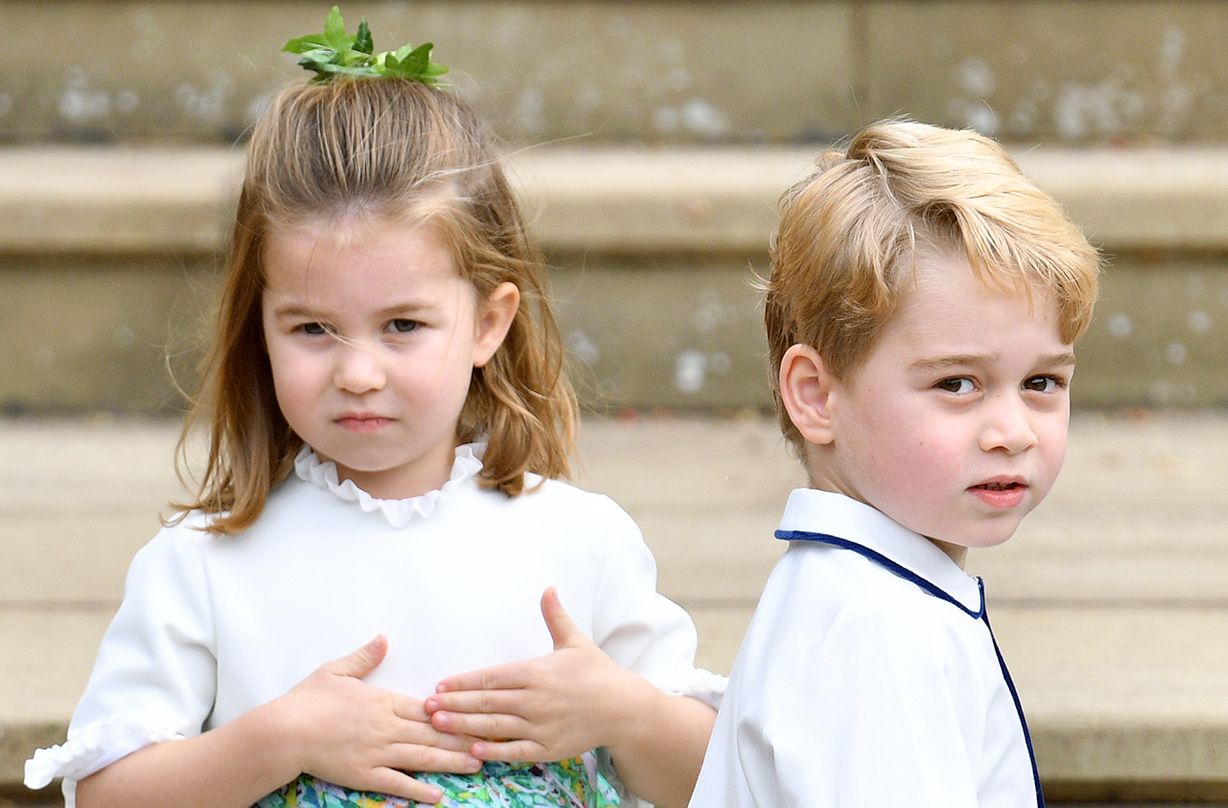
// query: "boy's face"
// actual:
[[955, 423]]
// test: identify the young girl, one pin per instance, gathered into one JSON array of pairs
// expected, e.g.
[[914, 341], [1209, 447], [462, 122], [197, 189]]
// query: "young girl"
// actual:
[[383, 392]]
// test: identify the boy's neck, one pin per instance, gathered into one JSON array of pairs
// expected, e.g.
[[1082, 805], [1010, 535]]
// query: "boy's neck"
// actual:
[[956, 552]]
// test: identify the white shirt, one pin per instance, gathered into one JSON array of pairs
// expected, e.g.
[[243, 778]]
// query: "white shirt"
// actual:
[[211, 627], [868, 678]]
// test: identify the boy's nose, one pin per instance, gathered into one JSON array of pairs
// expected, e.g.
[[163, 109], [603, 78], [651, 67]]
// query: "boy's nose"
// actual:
[[358, 369], [1008, 427]]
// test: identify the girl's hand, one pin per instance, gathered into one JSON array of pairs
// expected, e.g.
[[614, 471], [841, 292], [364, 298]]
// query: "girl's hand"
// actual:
[[356, 735], [549, 708]]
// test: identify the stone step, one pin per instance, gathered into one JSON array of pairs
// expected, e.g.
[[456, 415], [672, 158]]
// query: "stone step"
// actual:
[[660, 71], [618, 200], [125, 243], [1108, 603]]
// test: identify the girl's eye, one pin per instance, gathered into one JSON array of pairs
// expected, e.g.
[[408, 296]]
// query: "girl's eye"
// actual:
[[1043, 384], [314, 329], [958, 385], [403, 326]]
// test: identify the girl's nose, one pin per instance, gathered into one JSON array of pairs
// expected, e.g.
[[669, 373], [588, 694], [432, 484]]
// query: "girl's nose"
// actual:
[[1008, 427], [358, 369]]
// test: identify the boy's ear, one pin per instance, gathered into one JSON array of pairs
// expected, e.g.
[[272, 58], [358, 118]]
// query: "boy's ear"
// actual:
[[805, 387], [495, 315]]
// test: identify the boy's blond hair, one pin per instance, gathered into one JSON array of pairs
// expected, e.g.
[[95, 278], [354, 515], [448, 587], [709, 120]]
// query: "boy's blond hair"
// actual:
[[850, 232], [400, 150]]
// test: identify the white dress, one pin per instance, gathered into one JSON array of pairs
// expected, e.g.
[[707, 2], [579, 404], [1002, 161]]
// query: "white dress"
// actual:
[[211, 627], [868, 677]]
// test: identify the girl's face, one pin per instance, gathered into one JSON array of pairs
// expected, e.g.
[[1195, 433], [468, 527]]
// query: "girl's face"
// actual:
[[372, 336]]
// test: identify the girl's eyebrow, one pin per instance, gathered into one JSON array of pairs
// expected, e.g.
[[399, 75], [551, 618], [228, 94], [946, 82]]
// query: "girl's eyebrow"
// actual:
[[295, 310], [1059, 359], [406, 307]]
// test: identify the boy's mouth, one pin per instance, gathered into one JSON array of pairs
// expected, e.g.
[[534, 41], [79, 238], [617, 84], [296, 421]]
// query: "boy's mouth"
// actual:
[[1000, 493]]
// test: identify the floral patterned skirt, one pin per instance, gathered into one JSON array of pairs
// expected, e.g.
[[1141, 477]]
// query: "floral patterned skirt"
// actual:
[[573, 783]]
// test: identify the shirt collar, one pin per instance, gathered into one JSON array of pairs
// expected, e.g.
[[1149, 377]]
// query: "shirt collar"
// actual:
[[399, 512], [812, 511]]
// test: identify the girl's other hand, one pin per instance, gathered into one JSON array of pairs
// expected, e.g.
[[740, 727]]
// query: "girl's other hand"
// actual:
[[359, 736], [549, 708]]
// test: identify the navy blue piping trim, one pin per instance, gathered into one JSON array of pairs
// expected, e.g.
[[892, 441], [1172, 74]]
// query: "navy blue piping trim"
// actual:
[[933, 589], [1023, 722], [882, 560]]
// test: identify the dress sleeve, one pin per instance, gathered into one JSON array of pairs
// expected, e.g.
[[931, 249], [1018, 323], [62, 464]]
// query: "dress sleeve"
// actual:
[[890, 717], [637, 626], [155, 675], [641, 629]]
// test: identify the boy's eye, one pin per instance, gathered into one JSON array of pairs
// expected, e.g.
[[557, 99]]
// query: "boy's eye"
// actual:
[[402, 326], [959, 385], [1043, 384]]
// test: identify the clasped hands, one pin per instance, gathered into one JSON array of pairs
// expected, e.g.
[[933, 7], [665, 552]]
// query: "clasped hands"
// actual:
[[552, 707]]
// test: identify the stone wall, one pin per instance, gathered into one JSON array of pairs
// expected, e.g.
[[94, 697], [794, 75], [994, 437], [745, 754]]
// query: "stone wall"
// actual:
[[1051, 71], [660, 135]]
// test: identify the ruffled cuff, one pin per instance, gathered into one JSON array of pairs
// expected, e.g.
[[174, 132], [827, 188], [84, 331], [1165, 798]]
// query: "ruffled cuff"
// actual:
[[96, 746], [701, 684]]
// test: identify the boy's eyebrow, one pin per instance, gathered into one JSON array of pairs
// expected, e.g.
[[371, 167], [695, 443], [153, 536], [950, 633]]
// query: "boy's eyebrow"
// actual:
[[1060, 359]]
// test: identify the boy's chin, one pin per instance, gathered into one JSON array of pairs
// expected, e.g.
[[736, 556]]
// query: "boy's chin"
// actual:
[[977, 540]]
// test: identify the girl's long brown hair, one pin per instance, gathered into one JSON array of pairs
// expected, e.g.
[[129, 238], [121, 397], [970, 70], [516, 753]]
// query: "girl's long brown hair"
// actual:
[[397, 149]]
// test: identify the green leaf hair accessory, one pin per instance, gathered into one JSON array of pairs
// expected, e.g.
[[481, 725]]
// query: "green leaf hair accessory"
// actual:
[[337, 53]]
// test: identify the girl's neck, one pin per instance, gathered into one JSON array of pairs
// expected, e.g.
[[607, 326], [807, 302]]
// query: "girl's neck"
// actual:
[[403, 482]]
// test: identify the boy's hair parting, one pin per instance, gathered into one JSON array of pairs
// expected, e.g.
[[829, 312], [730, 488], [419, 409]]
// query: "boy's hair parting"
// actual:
[[849, 234], [401, 151]]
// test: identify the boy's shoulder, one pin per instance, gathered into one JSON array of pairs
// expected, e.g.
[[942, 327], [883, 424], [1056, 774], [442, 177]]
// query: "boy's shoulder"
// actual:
[[847, 558], [851, 589], [826, 608], [828, 616]]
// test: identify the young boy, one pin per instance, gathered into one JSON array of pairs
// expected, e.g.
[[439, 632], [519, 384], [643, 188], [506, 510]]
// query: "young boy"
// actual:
[[921, 312]]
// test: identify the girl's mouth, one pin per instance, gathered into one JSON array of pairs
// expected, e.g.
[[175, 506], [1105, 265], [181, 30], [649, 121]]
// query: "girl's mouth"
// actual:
[[362, 422]]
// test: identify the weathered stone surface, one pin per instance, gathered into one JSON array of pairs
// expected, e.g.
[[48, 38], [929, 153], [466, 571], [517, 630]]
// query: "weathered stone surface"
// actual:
[[117, 201], [682, 332], [653, 250], [627, 201], [602, 71], [16, 742], [1051, 70], [690, 334], [89, 334], [1071, 71], [1138, 198], [1160, 336]]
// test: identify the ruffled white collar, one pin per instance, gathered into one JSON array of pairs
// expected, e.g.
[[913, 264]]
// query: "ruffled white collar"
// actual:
[[399, 512]]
